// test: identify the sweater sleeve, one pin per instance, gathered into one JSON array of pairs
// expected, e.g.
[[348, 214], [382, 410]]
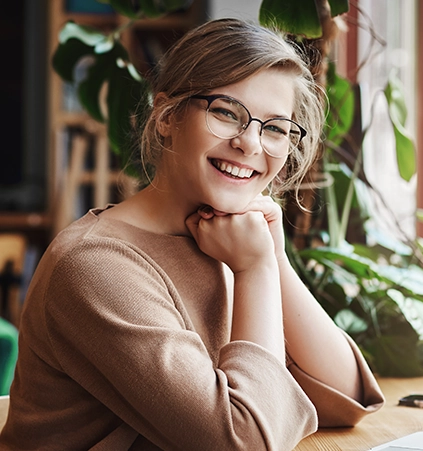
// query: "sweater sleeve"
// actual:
[[334, 409], [115, 329]]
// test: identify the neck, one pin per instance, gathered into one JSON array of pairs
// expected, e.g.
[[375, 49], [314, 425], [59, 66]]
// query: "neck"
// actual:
[[155, 209]]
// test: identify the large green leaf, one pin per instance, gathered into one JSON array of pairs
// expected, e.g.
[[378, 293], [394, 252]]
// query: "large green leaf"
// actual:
[[351, 323], [332, 298], [387, 241], [125, 98], [406, 154], [97, 74], [298, 17], [395, 355], [89, 89], [360, 266], [76, 42], [411, 308], [88, 35], [341, 113], [391, 340], [407, 280], [67, 55], [110, 65], [338, 7]]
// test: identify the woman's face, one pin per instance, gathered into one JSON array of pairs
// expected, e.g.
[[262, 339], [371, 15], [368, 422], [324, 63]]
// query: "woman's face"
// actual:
[[199, 168]]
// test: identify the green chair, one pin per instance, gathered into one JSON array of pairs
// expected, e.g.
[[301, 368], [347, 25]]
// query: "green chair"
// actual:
[[8, 354]]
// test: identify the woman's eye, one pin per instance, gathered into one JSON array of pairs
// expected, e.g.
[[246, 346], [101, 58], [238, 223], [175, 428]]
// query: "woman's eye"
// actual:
[[276, 130], [224, 114]]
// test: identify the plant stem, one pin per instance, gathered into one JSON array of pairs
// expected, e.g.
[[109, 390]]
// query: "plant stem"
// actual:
[[332, 211], [121, 28], [346, 210]]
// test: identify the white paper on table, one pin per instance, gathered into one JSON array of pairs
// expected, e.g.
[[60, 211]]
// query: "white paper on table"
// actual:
[[412, 442]]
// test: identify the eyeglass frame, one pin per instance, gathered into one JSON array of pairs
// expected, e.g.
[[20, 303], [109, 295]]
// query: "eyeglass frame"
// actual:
[[213, 97]]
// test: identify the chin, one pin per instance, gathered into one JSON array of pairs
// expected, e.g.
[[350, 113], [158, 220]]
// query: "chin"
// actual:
[[230, 208], [231, 203]]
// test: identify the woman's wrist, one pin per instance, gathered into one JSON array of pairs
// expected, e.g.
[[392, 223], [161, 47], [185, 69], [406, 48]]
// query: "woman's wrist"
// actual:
[[283, 260]]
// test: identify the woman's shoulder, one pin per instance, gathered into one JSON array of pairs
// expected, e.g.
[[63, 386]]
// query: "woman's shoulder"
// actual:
[[97, 243], [100, 233], [95, 257]]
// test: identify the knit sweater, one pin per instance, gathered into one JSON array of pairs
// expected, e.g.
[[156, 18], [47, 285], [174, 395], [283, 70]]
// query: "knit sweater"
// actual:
[[124, 345]]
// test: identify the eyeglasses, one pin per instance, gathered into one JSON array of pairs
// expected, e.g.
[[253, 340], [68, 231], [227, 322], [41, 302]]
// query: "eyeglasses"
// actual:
[[228, 118]]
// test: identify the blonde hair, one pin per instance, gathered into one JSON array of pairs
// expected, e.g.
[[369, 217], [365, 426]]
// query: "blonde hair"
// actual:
[[219, 53]]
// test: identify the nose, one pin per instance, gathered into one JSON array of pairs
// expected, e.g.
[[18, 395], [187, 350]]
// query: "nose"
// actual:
[[249, 141]]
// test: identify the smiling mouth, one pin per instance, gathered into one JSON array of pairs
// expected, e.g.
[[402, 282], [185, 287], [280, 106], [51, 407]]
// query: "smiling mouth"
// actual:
[[232, 170]]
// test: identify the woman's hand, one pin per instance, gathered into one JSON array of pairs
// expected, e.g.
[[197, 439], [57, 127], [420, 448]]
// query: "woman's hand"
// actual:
[[270, 211], [241, 240]]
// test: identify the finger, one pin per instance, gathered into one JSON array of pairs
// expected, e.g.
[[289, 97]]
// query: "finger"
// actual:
[[192, 224], [265, 204], [220, 213], [206, 212]]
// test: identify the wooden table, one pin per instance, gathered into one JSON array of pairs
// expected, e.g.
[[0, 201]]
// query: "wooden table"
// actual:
[[389, 423], [4, 407]]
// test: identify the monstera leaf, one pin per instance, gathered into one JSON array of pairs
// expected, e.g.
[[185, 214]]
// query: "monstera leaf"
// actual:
[[342, 104], [108, 65], [300, 17], [406, 153]]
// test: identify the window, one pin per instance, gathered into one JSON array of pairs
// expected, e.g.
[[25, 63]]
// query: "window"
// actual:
[[395, 22]]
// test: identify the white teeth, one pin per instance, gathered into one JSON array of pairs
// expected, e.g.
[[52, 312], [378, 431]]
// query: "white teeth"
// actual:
[[242, 172], [234, 170]]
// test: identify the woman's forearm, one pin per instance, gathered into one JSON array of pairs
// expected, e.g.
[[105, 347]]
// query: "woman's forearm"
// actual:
[[257, 308], [313, 340]]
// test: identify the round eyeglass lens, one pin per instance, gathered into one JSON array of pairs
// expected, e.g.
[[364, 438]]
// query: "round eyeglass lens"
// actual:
[[226, 118], [280, 136]]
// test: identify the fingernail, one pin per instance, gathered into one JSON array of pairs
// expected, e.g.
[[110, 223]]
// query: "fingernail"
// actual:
[[207, 210]]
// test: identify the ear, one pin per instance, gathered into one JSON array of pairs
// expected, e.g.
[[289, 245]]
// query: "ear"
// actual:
[[164, 122]]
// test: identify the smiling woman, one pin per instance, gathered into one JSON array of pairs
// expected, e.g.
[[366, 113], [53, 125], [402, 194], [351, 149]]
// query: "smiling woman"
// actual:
[[174, 319], [189, 144]]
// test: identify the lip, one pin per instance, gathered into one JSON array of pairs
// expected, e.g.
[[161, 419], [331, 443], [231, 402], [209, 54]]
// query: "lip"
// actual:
[[230, 178], [234, 163]]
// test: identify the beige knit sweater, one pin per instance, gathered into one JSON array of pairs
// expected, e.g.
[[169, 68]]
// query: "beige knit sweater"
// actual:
[[124, 344]]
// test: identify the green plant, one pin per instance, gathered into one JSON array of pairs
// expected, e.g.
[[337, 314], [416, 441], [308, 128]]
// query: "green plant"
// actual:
[[373, 291], [372, 288]]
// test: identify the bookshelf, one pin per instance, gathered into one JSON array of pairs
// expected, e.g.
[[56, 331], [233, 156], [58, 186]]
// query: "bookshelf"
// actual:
[[82, 171]]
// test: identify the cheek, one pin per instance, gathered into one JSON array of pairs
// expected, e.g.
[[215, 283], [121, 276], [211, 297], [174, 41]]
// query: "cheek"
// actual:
[[277, 166]]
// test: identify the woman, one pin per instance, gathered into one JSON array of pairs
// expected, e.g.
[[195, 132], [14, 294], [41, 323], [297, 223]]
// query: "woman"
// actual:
[[174, 319]]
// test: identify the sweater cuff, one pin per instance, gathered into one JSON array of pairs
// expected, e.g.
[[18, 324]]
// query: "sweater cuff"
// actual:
[[261, 383], [334, 409]]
